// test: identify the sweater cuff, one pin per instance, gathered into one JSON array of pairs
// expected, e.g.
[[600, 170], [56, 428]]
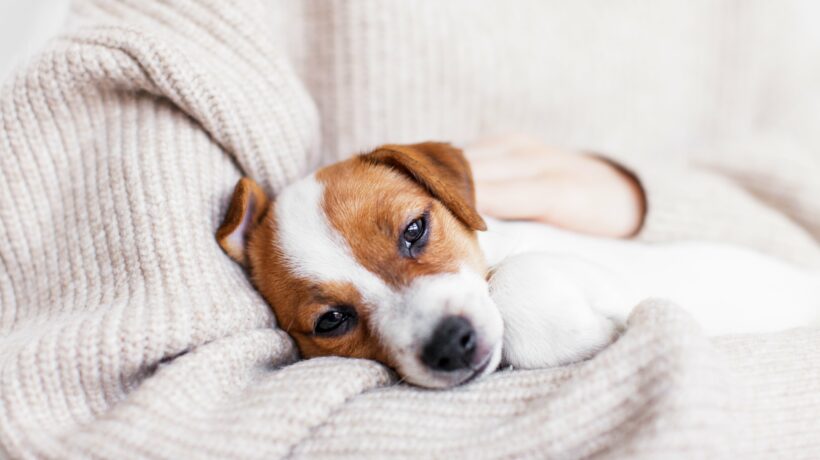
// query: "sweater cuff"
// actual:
[[668, 211], [685, 203]]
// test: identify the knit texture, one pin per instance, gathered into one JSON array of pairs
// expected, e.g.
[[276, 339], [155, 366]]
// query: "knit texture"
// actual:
[[125, 332], [708, 102]]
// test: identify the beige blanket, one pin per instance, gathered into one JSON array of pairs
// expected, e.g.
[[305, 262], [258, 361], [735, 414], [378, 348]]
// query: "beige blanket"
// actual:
[[125, 332]]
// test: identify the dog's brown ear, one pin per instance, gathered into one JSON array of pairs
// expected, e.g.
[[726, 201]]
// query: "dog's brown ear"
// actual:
[[248, 206], [442, 169]]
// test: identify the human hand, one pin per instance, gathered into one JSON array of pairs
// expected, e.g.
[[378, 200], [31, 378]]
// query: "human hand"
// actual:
[[517, 177]]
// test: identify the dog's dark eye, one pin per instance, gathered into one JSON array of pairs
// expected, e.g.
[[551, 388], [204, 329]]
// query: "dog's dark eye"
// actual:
[[414, 231], [335, 321], [414, 237]]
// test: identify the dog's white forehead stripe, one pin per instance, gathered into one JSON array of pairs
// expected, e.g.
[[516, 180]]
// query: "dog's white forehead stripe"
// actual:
[[314, 249]]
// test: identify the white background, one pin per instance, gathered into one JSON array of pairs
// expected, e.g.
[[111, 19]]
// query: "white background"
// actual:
[[25, 25]]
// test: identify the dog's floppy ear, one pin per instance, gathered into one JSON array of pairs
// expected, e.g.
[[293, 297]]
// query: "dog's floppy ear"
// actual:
[[440, 168], [248, 206]]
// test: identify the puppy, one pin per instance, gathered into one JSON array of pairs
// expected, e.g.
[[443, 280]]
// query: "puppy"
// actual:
[[383, 256]]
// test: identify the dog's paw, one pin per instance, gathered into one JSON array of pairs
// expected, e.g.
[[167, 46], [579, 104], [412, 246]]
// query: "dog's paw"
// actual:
[[556, 309]]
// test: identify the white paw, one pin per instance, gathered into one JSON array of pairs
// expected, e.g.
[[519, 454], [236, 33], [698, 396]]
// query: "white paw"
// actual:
[[556, 309]]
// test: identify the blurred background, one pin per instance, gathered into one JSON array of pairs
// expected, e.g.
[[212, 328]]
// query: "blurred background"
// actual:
[[717, 69], [731, 86], [25, 25]]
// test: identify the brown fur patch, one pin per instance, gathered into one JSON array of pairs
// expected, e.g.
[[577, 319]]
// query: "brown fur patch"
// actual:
[[298, 302], [371, 205], [439, 168], [249, 202]]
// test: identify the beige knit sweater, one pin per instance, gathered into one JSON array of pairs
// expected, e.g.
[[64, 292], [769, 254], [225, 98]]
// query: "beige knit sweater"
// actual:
[[125, 332]]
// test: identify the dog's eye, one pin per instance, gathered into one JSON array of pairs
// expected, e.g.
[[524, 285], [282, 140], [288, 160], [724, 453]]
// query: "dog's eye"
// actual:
[[414, 231], [414, 238], [336, 321]]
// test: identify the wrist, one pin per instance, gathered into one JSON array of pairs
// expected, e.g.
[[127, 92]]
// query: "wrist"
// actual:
[[627, 195]]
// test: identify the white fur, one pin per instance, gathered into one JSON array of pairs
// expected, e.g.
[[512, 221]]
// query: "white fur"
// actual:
[[561, 293], [426, 302], [550, 318], [316, 251], [403, 319]]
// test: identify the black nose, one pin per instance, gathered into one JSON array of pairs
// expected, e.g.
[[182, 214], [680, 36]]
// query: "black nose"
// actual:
[[452, 345]]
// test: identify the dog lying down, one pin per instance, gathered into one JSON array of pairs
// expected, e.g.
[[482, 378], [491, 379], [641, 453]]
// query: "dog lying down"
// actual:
[[383, 256]]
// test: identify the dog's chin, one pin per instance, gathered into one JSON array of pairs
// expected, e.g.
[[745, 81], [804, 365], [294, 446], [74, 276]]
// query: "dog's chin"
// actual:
[[442, 380]]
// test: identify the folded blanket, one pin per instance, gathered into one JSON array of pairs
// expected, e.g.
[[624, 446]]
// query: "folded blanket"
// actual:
[[125, 332]]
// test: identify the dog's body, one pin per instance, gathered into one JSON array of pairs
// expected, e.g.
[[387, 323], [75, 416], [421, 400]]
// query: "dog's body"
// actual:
[[378, 257], [563, 296]]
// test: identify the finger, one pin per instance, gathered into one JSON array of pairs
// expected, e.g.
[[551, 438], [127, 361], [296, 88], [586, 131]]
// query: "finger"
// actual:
[[523, 200], [498, 145], [552, 200], [500, 169], [518, 165]]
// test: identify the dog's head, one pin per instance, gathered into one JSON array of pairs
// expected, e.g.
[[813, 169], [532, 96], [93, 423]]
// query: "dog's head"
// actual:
[[375, 257]]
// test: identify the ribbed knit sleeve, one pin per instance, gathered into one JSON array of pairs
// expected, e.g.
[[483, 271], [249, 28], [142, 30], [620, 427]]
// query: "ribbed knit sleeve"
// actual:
[[119, 147], [759, 193]]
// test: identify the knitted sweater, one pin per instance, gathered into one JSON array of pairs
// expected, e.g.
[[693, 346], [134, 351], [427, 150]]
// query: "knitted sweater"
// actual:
[[125, 332]]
